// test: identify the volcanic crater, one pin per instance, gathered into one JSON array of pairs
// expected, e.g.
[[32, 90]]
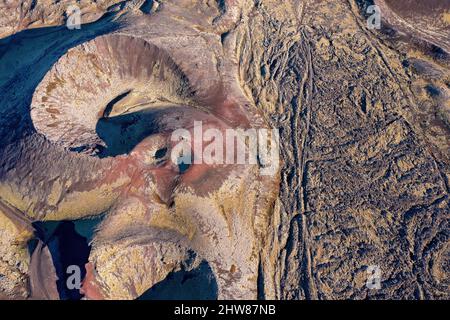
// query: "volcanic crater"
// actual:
[[115, 87]]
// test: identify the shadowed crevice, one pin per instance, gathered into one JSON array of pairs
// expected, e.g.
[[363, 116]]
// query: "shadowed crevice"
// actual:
[[197, 284]]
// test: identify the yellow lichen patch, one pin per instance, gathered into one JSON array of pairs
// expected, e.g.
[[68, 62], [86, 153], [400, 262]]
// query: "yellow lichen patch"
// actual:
[[177, 222], [123, 263], [8, 229], [421, 190], [323, 46], [360, 278], [343, 50], [368, 220], [21, 202], [392, 136], [228, 204], [129, 214], [14, 226], [14, 256], [55, 193], [405, 164], [13, 233], [205, 209], [446, 17], [129, 270], [79, 205]]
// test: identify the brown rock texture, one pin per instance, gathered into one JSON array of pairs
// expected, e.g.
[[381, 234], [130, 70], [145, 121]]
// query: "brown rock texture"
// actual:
[[364, 122], [17, 15], [428, 21]]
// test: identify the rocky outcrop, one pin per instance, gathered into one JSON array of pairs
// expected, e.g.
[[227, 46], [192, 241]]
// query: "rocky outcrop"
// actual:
[[361, 178]]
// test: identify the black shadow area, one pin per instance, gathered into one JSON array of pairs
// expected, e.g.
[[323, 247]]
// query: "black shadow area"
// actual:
[[68, 243], [197, 284]]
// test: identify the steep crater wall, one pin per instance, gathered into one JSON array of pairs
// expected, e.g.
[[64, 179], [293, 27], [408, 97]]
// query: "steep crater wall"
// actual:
[[110, 76]]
